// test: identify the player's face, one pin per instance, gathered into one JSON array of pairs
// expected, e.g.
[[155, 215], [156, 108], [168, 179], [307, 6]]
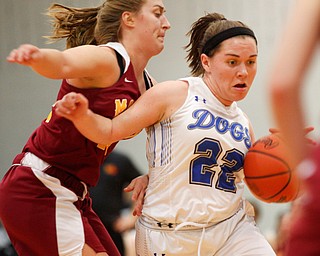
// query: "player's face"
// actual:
[[151, 26], [229, 73]]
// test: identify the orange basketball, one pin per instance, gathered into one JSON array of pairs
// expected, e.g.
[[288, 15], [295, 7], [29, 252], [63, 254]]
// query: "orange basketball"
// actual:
[[268, 174]]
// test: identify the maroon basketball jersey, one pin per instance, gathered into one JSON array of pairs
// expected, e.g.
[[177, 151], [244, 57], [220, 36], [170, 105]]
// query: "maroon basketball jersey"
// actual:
[[58, 142]]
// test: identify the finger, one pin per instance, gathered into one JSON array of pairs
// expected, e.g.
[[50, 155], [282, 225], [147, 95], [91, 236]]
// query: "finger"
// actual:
[[311, 142], [130, 187], [308, 129], [70, 102], [62, 110], [139, 204], [274, 130], [66, 105], [135, 194], [23, 55], [137, 210], [18, 56], [12, 56], [138, 191]]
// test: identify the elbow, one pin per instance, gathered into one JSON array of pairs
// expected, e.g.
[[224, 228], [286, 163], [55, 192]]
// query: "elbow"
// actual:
[[107, 136], [103, 142]]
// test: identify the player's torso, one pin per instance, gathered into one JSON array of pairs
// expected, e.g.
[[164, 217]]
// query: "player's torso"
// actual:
[[59, 143], [196, 160]]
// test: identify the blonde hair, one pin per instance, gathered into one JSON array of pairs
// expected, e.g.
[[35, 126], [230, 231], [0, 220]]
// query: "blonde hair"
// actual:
[[94, 25]]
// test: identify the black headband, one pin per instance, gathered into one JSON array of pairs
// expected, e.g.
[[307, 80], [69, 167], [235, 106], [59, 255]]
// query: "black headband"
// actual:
[[224, 35]]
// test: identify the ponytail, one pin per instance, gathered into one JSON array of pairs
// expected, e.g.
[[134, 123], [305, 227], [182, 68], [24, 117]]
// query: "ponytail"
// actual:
[[75, 24]]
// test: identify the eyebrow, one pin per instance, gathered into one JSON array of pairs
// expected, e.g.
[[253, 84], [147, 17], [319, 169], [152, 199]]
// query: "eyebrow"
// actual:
[[160, 7], [235, 55]]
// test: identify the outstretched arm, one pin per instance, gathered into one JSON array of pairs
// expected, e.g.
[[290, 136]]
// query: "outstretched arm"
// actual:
[[78, 62], [300, 38], [154, 105]]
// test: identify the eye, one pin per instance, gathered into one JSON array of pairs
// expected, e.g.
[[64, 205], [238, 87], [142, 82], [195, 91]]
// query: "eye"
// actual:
[[232, 62], [158, 11], [251, 62]]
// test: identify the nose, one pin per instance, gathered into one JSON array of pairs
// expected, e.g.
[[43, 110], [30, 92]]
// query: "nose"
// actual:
[[243, 71], [165, 23]]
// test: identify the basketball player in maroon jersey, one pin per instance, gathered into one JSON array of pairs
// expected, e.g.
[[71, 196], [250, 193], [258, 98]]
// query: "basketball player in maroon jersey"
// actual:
[[44, 204], [298, 46]]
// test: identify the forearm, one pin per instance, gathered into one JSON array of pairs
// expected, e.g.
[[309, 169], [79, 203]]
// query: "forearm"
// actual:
[[288, 114], [95, 127], [49, 63]]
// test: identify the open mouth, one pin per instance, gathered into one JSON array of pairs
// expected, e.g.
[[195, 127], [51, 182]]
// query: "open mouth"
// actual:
[[240, 85]]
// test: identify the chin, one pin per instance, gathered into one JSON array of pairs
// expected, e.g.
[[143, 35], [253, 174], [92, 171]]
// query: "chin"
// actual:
[[241, 98], [159, 49]]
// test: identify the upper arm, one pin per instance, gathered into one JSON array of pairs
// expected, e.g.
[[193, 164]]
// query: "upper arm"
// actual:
[[155, 105], [297, 48], [90, 62], [251, 132]]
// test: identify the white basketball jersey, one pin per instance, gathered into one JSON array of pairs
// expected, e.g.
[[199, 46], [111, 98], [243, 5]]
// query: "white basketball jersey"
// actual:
[[196, 160]]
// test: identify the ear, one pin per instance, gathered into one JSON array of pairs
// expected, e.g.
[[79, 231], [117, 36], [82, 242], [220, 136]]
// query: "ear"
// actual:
[[205, 62], [128, 18]]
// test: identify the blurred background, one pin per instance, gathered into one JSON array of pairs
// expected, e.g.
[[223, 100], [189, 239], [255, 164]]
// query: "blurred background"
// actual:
[[26, 98]]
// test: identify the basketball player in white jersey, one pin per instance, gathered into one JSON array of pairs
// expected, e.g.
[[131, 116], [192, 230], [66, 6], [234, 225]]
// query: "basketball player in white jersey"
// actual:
[[197, 140]]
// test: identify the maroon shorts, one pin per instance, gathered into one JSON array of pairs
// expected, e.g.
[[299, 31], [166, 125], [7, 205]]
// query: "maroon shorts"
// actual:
[[44, 217], [304, 238]]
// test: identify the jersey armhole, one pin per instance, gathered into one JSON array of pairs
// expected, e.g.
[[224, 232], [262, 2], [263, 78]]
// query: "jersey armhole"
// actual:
[[147, 80], [120, 63]]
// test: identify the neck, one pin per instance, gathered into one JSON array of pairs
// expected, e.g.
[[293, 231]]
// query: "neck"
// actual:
[[211, 87]]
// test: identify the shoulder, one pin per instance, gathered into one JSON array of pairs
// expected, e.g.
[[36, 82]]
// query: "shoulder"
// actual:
[[95, 56], [114, 46], [120, 49], [168, 90], [95, 49], [172, 94], [172, 85]]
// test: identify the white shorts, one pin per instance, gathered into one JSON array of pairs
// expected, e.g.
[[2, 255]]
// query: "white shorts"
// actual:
[[235, 236]]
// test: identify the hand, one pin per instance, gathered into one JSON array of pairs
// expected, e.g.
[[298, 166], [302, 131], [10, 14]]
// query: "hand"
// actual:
[[26, 54], [138, 186], [307, 130], [72, 106]]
